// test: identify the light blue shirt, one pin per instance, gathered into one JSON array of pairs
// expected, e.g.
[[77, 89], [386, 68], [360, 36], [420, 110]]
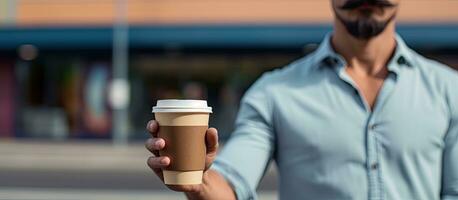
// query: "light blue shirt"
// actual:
[[311, 119]]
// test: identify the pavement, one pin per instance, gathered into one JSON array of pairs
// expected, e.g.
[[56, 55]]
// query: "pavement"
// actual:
[[77, 194], [34, 169]]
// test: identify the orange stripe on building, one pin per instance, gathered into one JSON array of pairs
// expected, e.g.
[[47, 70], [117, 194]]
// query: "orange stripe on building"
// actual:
[[88, 12]]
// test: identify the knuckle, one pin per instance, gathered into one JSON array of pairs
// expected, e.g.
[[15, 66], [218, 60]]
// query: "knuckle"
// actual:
[[151, 160], [151, 126], [148, 125], [148, 143], [154, 144]]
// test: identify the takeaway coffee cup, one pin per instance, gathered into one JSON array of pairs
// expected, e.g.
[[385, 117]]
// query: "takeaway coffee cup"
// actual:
[[183, 124]]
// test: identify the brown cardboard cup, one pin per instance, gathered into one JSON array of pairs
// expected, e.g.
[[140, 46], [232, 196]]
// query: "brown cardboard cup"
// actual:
[[183, 124]]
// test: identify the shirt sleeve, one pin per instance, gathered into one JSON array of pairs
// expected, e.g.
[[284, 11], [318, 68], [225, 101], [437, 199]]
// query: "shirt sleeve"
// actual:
[[450, 155], [246, 155]]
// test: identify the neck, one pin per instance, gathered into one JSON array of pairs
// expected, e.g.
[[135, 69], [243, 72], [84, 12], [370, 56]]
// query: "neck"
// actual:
[[367, 57]]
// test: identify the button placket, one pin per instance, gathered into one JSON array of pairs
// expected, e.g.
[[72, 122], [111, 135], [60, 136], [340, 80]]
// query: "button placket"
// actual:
[[373, 159]]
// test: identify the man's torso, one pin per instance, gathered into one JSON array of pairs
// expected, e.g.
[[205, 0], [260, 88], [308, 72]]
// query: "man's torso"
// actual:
[[328, 142]]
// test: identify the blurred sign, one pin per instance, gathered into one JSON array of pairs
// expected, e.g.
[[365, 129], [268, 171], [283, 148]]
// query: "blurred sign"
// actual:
[[119, 94]]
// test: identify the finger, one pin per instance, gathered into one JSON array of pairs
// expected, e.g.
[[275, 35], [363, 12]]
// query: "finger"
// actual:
[[158, 162], [152, 127], [211, 140], [185, 188], [157, 171], [154, 145], [159, 174]]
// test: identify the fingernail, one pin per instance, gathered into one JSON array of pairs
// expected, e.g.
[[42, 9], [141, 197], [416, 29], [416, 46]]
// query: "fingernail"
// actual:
[[164, 161], [158, 143]]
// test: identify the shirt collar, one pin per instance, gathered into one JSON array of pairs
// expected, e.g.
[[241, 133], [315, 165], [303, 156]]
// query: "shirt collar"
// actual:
[[402, 56], [325, 56]]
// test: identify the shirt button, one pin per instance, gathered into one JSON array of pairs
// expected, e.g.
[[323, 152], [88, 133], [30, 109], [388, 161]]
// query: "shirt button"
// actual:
[[374, 166], [372, 126]]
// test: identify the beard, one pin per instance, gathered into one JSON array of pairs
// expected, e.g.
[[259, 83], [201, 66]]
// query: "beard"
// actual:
[[366, 27]]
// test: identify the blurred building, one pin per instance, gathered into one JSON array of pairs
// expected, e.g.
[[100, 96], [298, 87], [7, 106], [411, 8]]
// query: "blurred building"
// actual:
[[56, 63]]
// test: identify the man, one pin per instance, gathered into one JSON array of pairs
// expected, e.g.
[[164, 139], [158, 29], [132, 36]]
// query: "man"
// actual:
[[363, 117]]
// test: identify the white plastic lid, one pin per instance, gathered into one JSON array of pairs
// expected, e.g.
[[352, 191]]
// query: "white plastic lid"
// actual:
[[178, 105]]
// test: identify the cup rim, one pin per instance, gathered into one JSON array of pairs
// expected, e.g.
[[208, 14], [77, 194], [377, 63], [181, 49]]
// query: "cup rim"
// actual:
[[187, 105], [181, 110]]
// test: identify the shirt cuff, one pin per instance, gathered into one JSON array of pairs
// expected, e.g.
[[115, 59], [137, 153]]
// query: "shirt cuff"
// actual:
[[447, 197], [239, 184]]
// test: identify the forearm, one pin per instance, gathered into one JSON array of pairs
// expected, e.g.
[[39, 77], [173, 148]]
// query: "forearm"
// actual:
[[214, 187]]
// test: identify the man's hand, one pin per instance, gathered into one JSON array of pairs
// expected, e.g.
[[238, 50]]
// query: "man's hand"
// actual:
[[157, 163]]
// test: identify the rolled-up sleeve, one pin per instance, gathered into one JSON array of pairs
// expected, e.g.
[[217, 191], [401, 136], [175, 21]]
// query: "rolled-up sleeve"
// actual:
[[450, 156], [245, 157]]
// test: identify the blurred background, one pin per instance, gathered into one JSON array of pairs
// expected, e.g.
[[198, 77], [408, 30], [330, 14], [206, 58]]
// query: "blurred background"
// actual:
[[78, 79]]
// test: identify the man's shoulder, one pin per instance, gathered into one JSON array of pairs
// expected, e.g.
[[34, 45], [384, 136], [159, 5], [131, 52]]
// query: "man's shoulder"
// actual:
[[438, 77], [297, 69], [435, 69]]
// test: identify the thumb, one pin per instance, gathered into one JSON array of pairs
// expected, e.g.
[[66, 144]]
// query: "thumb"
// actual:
[[211, 140]]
